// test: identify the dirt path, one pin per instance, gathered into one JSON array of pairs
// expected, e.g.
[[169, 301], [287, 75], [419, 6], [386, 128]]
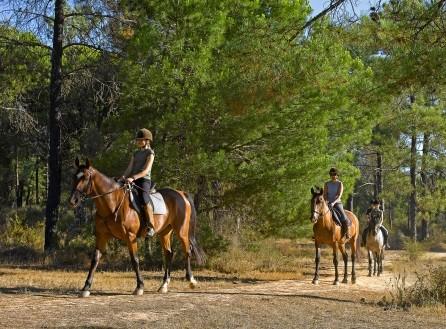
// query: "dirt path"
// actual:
[[277, 304]]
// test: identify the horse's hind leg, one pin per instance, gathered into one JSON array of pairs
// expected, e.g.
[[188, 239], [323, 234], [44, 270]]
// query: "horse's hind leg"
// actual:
[[353, 243], [187, 251], [101, 242], [345, 258], [335, 263], [133, 250], [168, 256]]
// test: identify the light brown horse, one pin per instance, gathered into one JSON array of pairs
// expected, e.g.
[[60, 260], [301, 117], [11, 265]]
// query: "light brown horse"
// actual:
[[327, 232], [115, 218]]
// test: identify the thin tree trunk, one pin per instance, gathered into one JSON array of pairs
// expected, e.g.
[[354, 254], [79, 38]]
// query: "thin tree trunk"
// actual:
[[37, 181], [54, 119], [413, 193]]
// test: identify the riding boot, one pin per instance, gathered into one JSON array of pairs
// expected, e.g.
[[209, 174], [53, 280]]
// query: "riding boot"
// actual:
[[148, 214]]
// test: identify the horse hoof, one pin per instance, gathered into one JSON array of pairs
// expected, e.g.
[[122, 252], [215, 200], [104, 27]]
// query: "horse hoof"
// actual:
[[84, 293], [193, 283], [353, 280], [138, 292], [315, 281], [345, 280], [162, 289], [336, 283], [370, 274]]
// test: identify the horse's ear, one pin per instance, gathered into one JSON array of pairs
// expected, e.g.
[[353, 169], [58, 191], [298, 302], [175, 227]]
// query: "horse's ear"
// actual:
[[76, 162], [318, 190], [88, 163], [312, 191]]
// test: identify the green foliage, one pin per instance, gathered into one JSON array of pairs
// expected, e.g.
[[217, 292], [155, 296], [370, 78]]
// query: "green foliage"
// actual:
[[16, 232]]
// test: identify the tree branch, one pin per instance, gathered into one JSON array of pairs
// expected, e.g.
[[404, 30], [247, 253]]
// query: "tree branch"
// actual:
[[100, 15], [25, 43], [80, 44], [333, 5]]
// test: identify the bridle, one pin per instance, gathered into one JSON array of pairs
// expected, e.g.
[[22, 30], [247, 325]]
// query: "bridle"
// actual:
[[320, 215], [86, 195]]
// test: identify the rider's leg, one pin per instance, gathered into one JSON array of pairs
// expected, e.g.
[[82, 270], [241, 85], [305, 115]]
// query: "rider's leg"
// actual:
[[144, 190], [343, 219], [386, 236]]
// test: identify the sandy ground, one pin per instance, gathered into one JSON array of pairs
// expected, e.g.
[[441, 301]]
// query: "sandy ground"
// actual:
[[232, 304]]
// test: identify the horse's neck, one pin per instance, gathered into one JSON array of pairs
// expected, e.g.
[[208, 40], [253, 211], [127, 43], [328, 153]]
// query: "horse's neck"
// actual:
[[108, 192], [103, 184], [327, 219]]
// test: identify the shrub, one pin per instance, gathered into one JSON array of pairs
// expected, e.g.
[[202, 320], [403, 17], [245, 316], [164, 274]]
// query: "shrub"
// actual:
[[428, 289]]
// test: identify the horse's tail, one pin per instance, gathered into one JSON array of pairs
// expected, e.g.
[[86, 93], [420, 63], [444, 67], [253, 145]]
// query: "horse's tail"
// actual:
[[196, 249]]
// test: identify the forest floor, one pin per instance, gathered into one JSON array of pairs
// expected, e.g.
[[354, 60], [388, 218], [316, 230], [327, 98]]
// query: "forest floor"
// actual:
[[40, 298]]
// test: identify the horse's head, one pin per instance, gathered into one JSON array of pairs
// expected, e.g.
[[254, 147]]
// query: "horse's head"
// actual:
[[82, 183], [373, 226], [318, 204]]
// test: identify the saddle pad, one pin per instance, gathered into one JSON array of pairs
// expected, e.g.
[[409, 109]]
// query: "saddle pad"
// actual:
[[159, 206], [157, 200]]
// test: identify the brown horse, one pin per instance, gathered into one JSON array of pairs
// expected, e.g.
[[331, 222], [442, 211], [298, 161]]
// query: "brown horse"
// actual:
[[327, 232], [115, 218]]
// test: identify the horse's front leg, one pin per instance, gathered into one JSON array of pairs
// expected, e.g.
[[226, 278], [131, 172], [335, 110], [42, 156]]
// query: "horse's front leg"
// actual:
[[345, 258], [168, 256], [375, 258], [335, 263], [317, 260], [101, 242], [369, 253], [133, 251]]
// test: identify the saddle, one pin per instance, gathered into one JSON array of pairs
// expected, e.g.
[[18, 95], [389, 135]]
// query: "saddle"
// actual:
[[156, 201], [337, 215]]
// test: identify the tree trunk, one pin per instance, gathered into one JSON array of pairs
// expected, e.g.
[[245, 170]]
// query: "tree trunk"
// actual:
[[413, 193], [424, 229], [37, 181], [54, 128]]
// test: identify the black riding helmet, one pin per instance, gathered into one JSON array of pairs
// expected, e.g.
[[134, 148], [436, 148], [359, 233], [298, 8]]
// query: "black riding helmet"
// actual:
[[333, 171]]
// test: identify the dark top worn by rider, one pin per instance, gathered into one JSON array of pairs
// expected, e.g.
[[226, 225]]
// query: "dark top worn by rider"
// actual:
[[140, 159], [332, 193]]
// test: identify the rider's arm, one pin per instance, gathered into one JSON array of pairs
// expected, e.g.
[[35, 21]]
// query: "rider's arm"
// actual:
[[129, 168], [147, 167], [325, 192]]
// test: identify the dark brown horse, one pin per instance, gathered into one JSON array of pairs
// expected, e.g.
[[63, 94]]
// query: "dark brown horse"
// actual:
[[327, 232], [115, 218]]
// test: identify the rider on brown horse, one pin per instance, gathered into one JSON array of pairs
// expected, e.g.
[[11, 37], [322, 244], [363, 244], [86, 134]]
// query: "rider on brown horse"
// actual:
[[139, 172], [333, 190]]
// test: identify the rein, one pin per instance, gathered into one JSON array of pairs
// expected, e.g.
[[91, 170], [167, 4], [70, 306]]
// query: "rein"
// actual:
[[84, 195]]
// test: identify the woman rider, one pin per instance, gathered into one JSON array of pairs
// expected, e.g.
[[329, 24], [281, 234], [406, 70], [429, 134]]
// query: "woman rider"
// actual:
[[139, 172], [333, 190]]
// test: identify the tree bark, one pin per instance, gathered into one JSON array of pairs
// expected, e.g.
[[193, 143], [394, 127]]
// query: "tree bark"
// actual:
[[54, 128], [37, 181], [413, 193]]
